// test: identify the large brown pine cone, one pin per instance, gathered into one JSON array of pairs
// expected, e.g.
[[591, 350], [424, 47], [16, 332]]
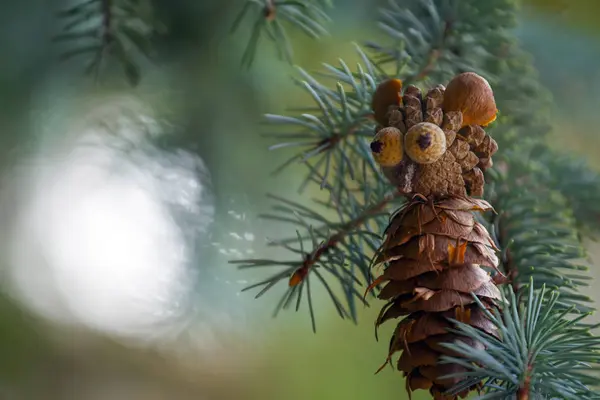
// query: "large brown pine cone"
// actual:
[[434, 250]]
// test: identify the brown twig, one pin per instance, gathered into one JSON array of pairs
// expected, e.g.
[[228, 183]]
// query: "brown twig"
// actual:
[[106, 20], [510, 268], [333, 140], [106, 36], [433, 56], [523, 392], [269, 10], [313, 257], [512, 273]]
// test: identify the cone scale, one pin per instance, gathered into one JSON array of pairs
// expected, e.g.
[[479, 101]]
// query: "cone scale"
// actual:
[[436, 254]]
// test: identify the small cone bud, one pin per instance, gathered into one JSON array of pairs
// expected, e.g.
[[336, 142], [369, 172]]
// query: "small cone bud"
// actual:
[[387, 94]]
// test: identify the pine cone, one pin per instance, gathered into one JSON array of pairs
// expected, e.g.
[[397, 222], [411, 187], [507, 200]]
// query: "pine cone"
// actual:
[[434, 248], [434, 251]]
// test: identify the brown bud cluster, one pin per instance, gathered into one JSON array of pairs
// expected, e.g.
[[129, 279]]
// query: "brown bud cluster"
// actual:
[[435, 166]]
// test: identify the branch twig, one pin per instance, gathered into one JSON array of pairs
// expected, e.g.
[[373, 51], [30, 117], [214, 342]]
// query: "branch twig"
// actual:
[[434, 55], [313, 257], [523, 392]]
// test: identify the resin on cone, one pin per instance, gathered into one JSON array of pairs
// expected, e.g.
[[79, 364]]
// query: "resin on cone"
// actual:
[[437, 255]]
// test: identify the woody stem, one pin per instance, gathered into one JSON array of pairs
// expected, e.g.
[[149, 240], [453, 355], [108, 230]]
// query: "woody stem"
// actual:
[[523, 392], [509, 267], [434, 55], [349, 227]]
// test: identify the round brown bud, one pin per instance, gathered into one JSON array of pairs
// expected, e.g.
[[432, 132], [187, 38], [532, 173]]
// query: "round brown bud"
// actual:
[[387, 94], [425, 143], [387, 147], [472, 95]]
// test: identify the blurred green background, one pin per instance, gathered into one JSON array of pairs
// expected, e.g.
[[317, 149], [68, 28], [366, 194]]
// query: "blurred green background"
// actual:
[[224, 345]]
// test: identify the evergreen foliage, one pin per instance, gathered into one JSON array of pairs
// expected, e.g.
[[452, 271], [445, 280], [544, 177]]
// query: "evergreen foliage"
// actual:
[[271, 18], [545, 202], [102, 30], [554, 356]]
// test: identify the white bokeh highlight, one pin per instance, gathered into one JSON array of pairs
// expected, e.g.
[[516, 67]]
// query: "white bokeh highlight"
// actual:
[[106, 235]]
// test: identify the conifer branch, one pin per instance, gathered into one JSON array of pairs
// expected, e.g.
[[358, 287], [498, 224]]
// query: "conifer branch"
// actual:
[[541, 353], [106, 6], [336, 133], [533, 227], [577, 182], [334, 244], [271, 18], [435, 53], [100, 28], [332, 241]]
